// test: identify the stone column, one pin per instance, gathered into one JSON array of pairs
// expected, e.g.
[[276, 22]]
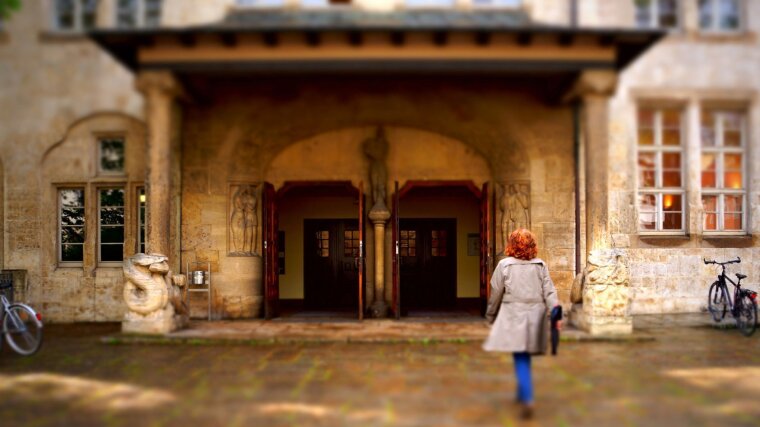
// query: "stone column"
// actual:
[[379, 215], [160, 90], [606, 306]]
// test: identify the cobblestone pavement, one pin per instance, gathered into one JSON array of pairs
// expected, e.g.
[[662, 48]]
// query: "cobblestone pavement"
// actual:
[[690, 375]]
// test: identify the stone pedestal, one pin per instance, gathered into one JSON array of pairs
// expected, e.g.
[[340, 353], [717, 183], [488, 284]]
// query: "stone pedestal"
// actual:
[[243, 293], [158, 322], [606, 307], [379, 215]]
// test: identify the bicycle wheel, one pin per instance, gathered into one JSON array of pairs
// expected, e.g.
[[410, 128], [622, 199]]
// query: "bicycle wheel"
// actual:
[[716, 302], [746, 315], [22, 331]]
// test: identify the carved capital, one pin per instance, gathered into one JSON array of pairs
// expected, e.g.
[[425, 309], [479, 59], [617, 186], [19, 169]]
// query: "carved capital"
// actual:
[[159, 83], [595, 83]]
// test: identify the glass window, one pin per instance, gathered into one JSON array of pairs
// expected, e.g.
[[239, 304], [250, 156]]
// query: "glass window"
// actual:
[[408, 243], [111, 225], [142, 203], [111, 155], [660, 170], [720, 15], [497, 3], [71, 214], [138, 13], [430, 3], [656, 13], [75, 15], [723, 170], [323, 243]]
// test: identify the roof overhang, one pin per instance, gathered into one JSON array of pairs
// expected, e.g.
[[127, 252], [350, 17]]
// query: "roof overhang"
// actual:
[[471, 43]]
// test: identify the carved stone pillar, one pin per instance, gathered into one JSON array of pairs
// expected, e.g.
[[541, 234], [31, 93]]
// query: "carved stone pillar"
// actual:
[[379, 216], [160, 90], [604, 285]]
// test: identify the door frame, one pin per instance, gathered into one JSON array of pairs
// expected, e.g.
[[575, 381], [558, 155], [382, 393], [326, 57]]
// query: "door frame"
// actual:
[[271, 284], [484, 197]]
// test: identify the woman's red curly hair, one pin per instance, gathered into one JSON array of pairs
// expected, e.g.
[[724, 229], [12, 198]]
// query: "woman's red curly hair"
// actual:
[[522, 245]]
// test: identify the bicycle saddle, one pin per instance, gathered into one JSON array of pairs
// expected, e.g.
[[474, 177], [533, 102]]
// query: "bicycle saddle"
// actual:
[[741, 276]]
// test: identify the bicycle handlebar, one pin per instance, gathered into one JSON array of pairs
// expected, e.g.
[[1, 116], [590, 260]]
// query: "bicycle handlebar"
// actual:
[[733, 261]]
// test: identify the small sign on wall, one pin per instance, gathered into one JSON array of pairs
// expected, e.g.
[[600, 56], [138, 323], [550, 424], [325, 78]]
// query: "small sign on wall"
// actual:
[[473, 244]]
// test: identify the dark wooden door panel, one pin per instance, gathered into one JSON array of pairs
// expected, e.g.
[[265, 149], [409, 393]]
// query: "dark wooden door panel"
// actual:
[[331, 272]]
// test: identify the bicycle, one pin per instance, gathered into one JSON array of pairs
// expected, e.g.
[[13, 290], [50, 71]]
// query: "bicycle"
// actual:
[[22, 326], [743, 306]]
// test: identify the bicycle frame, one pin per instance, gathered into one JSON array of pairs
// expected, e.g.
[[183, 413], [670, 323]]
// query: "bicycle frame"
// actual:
[[18, 325]]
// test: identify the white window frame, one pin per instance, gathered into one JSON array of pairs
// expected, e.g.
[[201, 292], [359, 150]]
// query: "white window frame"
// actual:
[[78, 25], [715, 22], [61, 262], [658, 190], [498, 4], [261, 4], [719, 150], [654, 15], [99, 242], [139, 14]]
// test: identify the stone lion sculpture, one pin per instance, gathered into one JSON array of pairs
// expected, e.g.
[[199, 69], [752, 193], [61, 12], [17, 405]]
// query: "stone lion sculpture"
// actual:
[[150, 286]]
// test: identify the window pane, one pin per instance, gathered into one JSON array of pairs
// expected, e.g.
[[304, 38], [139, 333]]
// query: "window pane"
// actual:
[[671, 179], [705, 14], [671, 119], [64, 10], [126, 13], [72, 216], [647, 170], [152, 13], [732, 180], [72, 235], [646, 136], [671, 160], [112, 253], [732, 222], [671, 202], [668, 13], [733, 204], [89, 13], [729, 14], [72, 197], [643, 13], [112, 197], [672, 221], [112, 216], [647, 211], [708, 171], [72, 253], [112, 155], [671, 137], [710, 204], [112, 234], [707, 129], [646, 127]]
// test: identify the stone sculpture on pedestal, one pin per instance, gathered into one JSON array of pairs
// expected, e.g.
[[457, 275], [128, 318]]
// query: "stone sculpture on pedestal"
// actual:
[[155, 298]]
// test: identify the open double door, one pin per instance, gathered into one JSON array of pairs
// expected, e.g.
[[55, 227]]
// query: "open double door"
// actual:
[[271, 250], [402, 251]]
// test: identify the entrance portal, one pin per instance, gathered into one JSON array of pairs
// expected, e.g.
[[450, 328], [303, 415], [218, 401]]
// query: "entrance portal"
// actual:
[[331, 249]]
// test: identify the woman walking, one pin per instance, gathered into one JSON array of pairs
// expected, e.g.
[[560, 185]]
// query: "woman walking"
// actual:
[[521, 292]]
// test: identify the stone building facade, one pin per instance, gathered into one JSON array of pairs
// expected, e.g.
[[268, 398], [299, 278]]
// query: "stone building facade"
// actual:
[[540, 114]]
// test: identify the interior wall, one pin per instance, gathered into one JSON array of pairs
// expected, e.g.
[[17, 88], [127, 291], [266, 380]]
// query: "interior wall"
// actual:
[[467, 214], [293, 211]]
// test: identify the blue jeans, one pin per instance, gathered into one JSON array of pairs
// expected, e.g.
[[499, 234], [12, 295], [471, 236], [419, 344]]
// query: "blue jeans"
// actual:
[[524, 380]]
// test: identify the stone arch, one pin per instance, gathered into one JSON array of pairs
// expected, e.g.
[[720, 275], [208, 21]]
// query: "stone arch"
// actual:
[[414, 154]]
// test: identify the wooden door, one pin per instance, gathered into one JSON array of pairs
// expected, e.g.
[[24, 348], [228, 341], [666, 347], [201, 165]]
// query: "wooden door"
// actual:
[[427, 261], [360, 257], [270, 238], [485, 248], [395, 254], [331, 271]]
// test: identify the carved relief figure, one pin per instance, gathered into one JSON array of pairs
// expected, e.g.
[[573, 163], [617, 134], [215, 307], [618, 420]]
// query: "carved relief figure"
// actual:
[[376, 149], [244, 220], [514, 208], [150, 286]]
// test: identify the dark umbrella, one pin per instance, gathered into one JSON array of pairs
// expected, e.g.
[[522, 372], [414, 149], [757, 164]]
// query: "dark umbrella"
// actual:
[[555, 317]]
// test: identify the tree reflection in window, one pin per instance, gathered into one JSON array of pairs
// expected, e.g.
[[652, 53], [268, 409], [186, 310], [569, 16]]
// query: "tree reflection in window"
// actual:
[[111, 220], [72, 227]]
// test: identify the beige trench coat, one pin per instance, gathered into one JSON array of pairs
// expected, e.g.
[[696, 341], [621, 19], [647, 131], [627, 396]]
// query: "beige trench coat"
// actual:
[[521, 292]]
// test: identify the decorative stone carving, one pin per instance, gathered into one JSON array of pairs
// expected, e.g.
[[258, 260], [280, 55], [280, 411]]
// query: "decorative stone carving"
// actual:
[[514, 208], [605, 291], [376, 149], [155, 298], [244, 222]]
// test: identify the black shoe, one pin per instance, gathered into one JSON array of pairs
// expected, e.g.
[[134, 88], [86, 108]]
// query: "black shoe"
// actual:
[[526, 411]]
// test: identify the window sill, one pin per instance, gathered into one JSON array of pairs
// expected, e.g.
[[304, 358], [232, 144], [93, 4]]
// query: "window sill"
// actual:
[[62, 36], [111, 265], [663, 235], [725, 236], [738, 36]]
